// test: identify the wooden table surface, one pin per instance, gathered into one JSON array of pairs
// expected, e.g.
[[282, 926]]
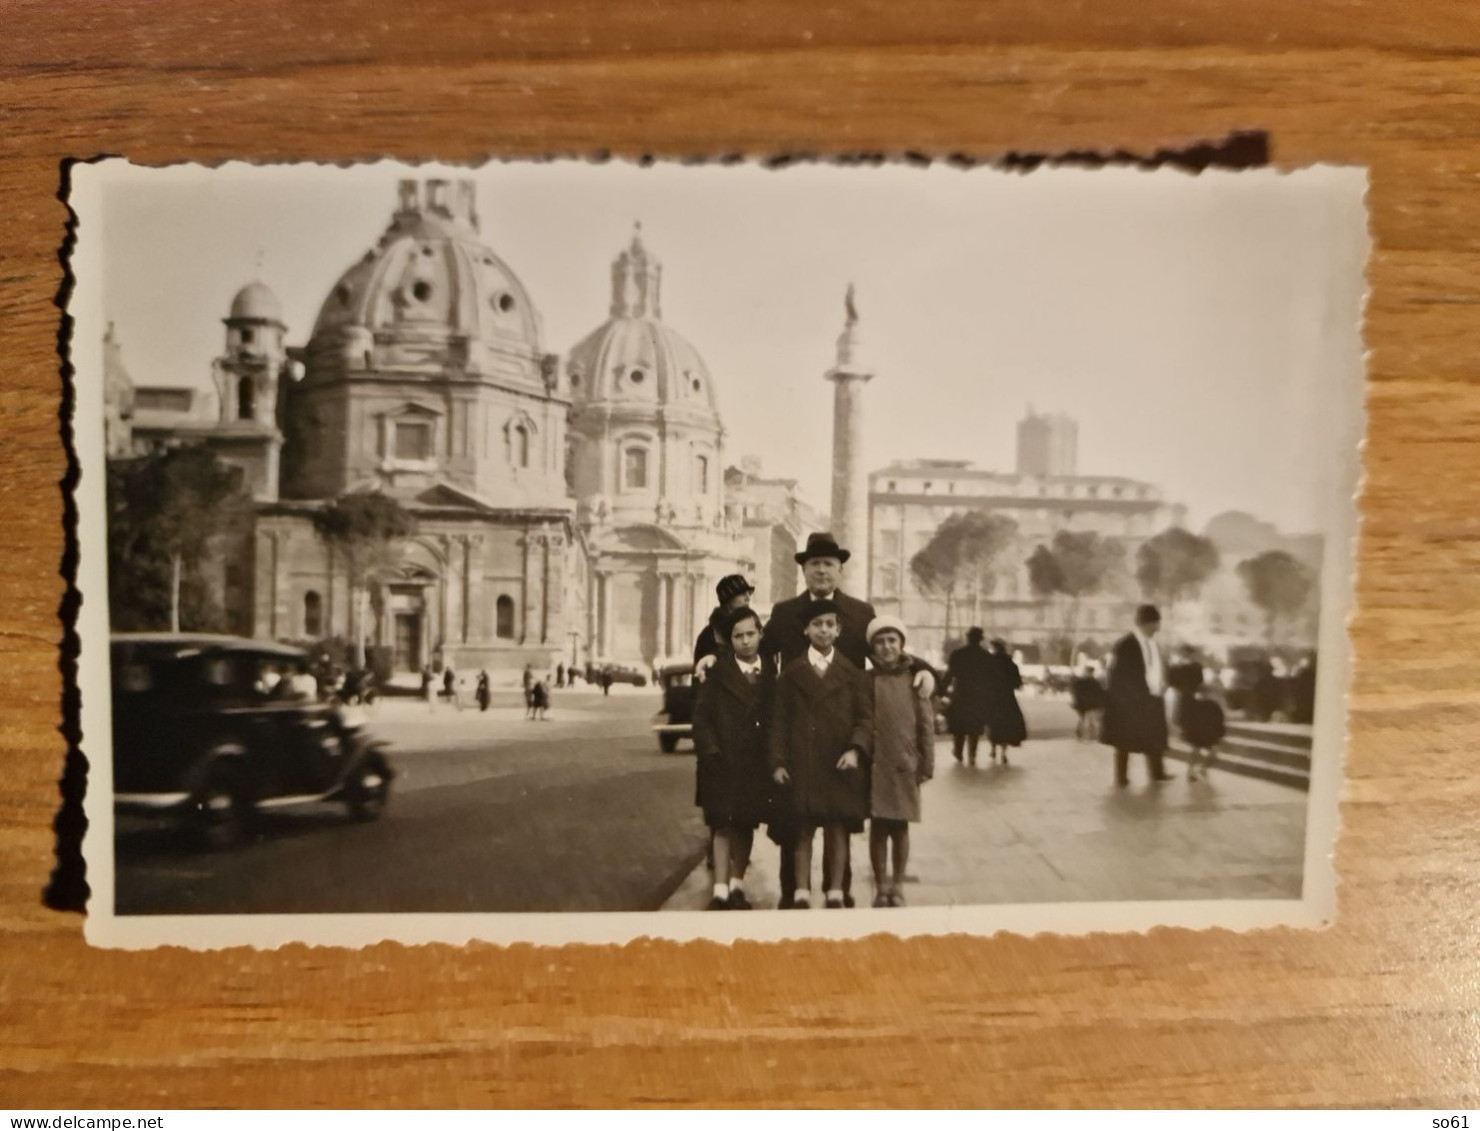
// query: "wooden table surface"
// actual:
[[1379, 1010]]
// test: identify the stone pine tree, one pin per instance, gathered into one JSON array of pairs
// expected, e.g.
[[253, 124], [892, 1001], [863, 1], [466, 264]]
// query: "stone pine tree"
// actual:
[[367, 531], [1278, 583], [1073, 566], [959, 557], [1171, 566], [168, 514]]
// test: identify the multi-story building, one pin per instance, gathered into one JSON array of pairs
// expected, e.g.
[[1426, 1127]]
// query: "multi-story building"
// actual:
[[776, 520], [909, 500]]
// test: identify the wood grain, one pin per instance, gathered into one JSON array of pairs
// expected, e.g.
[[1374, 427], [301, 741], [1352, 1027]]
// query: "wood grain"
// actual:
[[1379, 1010]]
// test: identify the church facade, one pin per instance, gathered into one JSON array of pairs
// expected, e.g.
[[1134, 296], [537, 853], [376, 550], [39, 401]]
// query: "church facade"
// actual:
[[567, 512]]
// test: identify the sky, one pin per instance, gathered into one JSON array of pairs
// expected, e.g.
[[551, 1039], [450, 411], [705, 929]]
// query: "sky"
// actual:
[[1203, 330]]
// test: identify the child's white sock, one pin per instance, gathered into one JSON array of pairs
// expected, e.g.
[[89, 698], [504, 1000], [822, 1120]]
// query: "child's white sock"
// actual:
[[721, 891], [737, 884], [836, 896], [803, 899]]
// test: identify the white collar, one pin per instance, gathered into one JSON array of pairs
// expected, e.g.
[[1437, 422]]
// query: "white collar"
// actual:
[[817, 659], [749, 665], [833, 596]]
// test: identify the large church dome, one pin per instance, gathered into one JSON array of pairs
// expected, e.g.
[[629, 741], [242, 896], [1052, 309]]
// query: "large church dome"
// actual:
[[648, 444], [634, 357], [431, 294]]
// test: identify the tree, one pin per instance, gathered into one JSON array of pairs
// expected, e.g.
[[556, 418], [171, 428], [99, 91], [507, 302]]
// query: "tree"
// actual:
[[167, 512], [1075, 565], [368, 530], [1279, 584], [1173, 565], [960, 555]]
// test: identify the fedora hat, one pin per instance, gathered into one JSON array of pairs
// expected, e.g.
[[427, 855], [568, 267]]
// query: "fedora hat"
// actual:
[[822, 546]]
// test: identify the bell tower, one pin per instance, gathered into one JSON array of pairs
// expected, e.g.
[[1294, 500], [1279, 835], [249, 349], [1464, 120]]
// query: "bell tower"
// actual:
[[247, 375]]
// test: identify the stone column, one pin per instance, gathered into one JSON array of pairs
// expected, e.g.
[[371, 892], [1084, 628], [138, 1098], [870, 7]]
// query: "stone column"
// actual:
[[661, 643], [604, 632], [850, 476], [532, 602]]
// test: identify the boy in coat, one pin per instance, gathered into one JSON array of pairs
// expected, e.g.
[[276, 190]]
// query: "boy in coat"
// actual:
[[821, 738], [730, 730]]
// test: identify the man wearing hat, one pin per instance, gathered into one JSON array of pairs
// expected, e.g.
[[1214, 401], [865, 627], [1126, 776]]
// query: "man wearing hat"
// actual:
[[822, 569], [1135, 717], [786, 638], [733, 593]]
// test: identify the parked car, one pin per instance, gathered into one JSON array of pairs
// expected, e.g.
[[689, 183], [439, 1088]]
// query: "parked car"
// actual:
[[620, 673], [675, 721], [208, 730]]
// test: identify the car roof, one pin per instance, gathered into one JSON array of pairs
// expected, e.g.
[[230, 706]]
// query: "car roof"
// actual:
[[179, 643], [676, 669]]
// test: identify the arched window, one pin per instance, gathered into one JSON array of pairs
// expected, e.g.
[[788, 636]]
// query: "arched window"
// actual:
[[313, 615], [504, 610], [521, 445], [634, 469], [246, 399], [701, 475]]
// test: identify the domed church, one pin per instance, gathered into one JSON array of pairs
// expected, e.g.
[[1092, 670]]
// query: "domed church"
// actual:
[[645, 465], [568, 512]]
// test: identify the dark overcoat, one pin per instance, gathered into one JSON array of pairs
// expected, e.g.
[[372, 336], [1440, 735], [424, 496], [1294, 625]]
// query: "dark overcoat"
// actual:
[[968, 675], [1005, 723], [816, 719], [786, 631], [731, 723], [1135, 720], [708, 643]]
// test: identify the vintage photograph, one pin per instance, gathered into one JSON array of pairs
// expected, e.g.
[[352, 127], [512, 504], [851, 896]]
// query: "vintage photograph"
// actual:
[[581, 551]]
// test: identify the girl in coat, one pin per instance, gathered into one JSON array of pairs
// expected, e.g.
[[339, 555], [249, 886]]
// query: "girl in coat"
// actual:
[[903, 758], [821, 737], [730, 728]]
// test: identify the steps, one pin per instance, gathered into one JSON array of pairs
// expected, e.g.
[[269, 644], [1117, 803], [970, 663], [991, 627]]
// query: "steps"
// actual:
[[1274, 752]]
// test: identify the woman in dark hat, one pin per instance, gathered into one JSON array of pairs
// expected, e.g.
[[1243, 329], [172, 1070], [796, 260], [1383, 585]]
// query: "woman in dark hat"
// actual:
[[1005, 724], [733, 593], [968, 680]]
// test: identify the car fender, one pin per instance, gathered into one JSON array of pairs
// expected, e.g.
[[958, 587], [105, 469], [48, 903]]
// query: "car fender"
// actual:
[[229, 752]]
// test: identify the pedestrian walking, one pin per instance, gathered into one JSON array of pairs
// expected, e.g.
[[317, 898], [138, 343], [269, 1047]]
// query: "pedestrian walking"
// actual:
[[449, 687], [731, 726], [1005, 723], [528, 684], [484, 692], [903, 759], [606, 680], [967, 684], [1087, 696], [1135, 717], [821, 739], [560, 674], [539, 700], [1203, 727], [1184, 680]]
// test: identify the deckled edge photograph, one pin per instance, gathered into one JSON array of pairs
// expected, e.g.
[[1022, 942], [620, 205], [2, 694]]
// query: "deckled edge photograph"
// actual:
[[420, 508]]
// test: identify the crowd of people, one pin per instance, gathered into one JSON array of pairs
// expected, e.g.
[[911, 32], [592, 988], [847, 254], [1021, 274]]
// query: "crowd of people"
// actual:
[[819, 721]]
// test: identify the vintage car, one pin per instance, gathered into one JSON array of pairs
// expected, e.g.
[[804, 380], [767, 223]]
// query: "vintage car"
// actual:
[[676, 720], [208, 730]]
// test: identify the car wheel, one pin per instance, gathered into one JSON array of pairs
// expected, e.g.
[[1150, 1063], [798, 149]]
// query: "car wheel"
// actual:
[[369, 788], [668, 743], [221, 813]]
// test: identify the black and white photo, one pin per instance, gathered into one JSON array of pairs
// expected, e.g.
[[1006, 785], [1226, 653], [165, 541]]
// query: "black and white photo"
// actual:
[[581, 551]]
